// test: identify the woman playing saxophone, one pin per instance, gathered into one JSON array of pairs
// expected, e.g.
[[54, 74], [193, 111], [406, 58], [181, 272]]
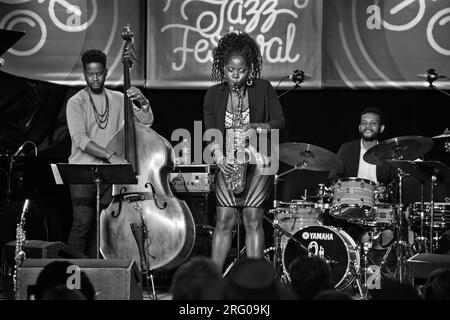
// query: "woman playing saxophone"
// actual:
[[242, 106]]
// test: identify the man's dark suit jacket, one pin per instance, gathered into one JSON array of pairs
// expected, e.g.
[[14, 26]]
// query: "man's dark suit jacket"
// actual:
[[349, 154]]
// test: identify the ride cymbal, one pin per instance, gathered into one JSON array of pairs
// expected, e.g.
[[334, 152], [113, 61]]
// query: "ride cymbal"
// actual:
[[446, 134], [309, 156], [400, 148]]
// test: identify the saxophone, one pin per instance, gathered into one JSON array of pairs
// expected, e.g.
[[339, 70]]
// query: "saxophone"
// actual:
[[20, 255], [236, 150]]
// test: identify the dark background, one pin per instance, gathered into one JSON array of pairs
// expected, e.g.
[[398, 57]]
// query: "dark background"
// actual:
[[32, 110]]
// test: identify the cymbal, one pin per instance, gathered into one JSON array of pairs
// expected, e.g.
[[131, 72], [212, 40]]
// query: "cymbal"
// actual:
[[309, 156], [400, 148], [446, 134], [421, 170]]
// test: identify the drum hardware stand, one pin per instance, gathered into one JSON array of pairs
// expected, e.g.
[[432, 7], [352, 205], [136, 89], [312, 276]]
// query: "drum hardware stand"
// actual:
[[363, 288], [277, 177], [401, 244], [433, 182], [277, 258], [140, 234], [277, 255], [363, 272], [420, 242]]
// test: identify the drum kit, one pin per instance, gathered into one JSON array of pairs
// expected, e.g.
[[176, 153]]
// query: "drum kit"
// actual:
[[299, 228]]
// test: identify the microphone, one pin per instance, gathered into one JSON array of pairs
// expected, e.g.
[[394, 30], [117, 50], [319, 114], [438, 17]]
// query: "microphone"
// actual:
[[23, 146], [431, 75], [299, 76], [20, 149]]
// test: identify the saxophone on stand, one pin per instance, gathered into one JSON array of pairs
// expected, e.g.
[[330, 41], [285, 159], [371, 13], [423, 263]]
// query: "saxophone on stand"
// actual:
[[20, 255], [236, 150]]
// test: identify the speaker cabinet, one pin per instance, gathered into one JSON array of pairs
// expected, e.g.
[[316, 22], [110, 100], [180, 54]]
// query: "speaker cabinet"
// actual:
[[422, 264], [115, 279], [202, 206], [35, 249]]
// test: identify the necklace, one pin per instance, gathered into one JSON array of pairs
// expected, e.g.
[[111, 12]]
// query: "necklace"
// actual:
[[100, 118], [237, 114]]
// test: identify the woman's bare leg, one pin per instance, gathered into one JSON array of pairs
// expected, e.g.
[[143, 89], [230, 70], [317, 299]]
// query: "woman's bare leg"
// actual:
[[222, 237]]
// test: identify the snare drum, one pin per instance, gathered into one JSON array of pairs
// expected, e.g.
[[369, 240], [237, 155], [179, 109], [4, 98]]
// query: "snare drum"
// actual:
[[299, 214], [353, 199], [333, 243], [441, 218], [384, 216]]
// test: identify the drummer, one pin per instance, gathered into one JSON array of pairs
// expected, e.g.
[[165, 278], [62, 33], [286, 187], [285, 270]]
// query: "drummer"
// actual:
[[371, 126]]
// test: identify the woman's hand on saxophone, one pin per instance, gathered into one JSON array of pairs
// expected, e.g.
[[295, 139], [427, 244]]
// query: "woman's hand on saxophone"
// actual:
[[250, 131], [221, 161]]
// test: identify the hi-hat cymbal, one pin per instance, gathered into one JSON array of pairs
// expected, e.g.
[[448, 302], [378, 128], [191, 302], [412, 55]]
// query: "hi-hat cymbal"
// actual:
[[401, 148], [309, 156], [446, 134]]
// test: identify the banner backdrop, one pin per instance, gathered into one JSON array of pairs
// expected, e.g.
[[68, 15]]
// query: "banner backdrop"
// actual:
[[385, 43], [58, 31], [340, 43], [183, 33]]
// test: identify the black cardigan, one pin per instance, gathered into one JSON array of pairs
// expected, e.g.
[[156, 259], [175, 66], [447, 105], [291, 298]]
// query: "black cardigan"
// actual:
[[262, 99]]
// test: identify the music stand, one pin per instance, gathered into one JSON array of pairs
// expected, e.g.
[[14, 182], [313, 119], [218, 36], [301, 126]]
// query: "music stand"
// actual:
[[94, 174]]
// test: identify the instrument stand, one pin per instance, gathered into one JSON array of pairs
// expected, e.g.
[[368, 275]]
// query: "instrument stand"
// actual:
[[140, 234], [97, 174]]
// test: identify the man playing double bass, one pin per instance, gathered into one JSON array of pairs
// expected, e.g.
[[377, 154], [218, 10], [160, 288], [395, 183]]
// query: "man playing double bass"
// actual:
[[94, 115]]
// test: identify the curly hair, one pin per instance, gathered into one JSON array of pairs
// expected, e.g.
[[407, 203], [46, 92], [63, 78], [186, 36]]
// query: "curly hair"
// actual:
[[93, 55], [236, 44]]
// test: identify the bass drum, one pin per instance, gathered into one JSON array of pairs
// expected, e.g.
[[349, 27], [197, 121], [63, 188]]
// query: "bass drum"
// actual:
[[323, 241]]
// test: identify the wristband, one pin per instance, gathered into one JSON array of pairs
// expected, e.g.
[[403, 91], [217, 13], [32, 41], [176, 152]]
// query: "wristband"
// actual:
[[110, 156]]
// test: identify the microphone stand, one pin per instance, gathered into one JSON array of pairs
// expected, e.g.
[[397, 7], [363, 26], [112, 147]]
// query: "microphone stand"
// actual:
[[298, 77], [432, 76], [297, 85], [440, 90]]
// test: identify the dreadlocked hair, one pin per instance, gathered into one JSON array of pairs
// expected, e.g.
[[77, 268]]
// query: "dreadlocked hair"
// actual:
[[236, 44]]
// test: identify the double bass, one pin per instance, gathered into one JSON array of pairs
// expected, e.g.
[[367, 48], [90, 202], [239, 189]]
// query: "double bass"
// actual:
[[168, 225]]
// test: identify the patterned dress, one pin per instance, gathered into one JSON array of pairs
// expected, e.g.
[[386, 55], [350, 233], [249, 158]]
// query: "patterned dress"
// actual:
[[257, 186]]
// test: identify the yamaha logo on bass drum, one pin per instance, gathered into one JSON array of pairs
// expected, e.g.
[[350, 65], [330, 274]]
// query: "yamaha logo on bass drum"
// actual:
[[317, 236]]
